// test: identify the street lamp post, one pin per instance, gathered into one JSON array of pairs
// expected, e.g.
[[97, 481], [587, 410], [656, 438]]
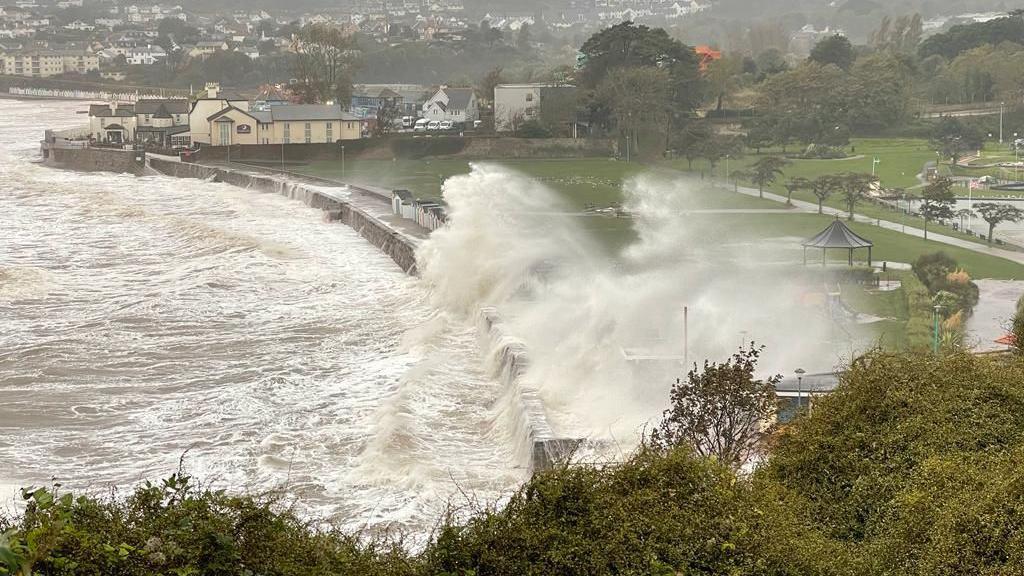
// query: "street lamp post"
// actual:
[[1001, 122], [799, 386], [935, 330], [343, 161]]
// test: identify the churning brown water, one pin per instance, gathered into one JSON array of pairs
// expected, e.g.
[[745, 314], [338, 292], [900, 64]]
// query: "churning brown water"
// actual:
[[143, 319]]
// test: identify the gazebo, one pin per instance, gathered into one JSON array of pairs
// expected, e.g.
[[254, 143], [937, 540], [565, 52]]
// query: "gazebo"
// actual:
[[838, 235]]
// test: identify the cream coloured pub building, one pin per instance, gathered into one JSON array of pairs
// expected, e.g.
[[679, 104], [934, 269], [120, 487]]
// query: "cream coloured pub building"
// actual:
[[223, 120]]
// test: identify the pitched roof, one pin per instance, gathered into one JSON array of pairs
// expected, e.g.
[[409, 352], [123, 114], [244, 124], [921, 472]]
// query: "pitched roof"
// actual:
[[300, 112], [838, 235], [104, 111], [459, 98], [170, 105], [224, 111]]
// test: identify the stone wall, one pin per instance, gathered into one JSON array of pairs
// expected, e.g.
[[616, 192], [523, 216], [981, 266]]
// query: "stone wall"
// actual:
[[96, 160], [408, 147], [507, 357], [399, 247]]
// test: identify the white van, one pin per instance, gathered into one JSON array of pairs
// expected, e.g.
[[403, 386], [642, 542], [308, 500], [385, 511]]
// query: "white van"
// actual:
[[421, 125], [434, 125], [446, 125]]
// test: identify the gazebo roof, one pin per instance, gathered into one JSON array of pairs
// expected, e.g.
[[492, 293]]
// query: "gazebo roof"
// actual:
[[838, 235]]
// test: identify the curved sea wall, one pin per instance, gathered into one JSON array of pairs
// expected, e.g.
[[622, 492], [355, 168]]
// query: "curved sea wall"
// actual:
[[507, 357], [400, 247]]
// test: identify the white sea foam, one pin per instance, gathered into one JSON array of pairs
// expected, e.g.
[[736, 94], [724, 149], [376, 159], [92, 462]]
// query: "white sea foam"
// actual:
[[143, 318]]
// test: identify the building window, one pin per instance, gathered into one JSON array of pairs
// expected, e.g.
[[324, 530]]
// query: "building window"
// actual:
[[330, 132], [309, 132], [225, 133], [529, 96], [287, 133]]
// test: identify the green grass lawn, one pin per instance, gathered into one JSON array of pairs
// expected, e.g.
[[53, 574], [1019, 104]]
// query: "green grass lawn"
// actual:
[[900, 161], [599, 181], [889, 245], [580, 181]]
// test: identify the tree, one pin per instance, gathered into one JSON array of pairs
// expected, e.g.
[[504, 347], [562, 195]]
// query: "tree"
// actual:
[[523, 37], [490, 81], [951, 138], [795, 184], [690, 140], [759, 135], [628, 46], [937, 201], [835, 50], [720, 411], [324, 64], [638, 99], [995, 214], [825, 186], [855, 186], [766, 171]]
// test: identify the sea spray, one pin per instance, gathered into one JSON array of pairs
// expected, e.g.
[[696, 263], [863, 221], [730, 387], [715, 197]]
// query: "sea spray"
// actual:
[[604, 333]]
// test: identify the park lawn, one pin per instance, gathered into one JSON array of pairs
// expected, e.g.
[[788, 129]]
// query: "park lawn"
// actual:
[[579, 181], [900, 161], [889, 245]]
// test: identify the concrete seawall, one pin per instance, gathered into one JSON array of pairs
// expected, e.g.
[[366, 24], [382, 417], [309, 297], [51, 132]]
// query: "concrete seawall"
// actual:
[[398, 246], [507, 357], [95, 159]]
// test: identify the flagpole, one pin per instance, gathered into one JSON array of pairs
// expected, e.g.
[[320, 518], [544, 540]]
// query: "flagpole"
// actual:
[[970, 204]]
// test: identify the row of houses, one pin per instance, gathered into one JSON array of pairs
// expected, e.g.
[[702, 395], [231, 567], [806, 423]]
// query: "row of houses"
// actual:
[[219, 119]]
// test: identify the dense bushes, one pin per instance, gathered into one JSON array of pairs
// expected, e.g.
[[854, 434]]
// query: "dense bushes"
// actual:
[[910, 468]]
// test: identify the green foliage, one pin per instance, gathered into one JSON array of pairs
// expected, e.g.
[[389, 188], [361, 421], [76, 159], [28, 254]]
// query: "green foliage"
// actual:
[[995, 214], [719, 411], [766, 171], [422, 147], [662, 512], [963, 37], [835, 50], [533, 129], [936, 272], [176, 527], [628, 46], [909, 466]]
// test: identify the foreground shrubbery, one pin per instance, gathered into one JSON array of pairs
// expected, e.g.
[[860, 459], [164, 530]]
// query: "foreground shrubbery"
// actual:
[[910, 468]]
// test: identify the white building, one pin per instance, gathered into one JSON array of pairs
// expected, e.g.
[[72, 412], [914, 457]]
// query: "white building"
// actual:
[[517, 103], [453, 104]]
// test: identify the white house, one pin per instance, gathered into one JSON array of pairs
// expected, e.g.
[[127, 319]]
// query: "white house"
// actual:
[[517, 103], [453, 104]]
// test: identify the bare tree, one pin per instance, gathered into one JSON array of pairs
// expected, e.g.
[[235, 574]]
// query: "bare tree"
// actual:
[[325, 62], [721, 411]]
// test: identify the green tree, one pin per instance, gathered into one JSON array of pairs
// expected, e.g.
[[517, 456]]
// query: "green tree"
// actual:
[[720, 411], [824, 186], [766, 171], [855, 187], [996, 214], [638, 101], [796, 184], [937, 202], [629, 46], [835, 50]]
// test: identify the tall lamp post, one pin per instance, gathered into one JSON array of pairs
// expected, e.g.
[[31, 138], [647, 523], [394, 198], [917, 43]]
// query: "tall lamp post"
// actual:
[[799, 386], [343, 161], [935, 330], [1001, 122]]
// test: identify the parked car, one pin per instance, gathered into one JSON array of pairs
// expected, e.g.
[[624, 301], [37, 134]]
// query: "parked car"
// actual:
[[446, 125], [422, 125], [408, 122], [434, 125]]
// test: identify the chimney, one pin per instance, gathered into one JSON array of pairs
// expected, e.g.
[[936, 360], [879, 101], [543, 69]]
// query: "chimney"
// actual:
[[212, 89]]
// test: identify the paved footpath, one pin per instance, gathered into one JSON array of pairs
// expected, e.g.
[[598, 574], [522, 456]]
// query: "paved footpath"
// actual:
[[812, 208]]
